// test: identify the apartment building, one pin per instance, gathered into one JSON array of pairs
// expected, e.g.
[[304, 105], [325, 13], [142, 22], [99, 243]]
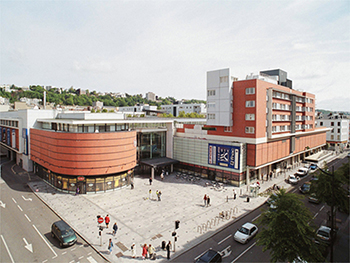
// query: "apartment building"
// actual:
[[254, 126], [338, 135], [175, 109]]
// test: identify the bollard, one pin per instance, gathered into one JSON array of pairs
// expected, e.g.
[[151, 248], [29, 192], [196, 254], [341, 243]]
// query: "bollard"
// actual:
[[226, 198], [240, 191], [247, 199]]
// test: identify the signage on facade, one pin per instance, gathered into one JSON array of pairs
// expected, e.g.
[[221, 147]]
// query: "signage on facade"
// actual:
[[81, 178], [224, 155]]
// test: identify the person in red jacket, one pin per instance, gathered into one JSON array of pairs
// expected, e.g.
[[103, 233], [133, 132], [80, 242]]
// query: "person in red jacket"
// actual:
[[107, 220]]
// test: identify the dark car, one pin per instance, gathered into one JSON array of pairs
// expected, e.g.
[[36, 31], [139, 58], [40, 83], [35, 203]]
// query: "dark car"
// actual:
[[209, 256], [64, 233], [305, 188]]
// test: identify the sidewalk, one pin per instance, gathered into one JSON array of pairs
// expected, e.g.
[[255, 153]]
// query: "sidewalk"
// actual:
[[144, 221]]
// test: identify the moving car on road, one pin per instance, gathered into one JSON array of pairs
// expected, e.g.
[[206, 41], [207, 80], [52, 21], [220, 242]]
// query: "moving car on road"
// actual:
[[313, 166], [246, 233], [323, 235], [314, 199], [305, 188], [64, 233], [210, 256]]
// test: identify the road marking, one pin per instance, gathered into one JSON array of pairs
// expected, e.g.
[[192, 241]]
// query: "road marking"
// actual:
[[2, 204], [8, 251], [45, 241], [14, 200], [255, 218], [81, 245], [73, 249], [294, 190], [64, 253], [90, 253], [27, 218], [44, 261], [315, 215], [81, 257], [28, 199], [28, 246], [71, 261], [245, 251], [20, 208], [321, 208], [91, 259], [224, 239]]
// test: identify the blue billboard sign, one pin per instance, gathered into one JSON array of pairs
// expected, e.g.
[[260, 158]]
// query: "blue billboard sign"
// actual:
[[224, 155]]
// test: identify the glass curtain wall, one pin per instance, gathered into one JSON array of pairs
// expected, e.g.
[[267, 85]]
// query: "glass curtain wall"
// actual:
[[151, 145]]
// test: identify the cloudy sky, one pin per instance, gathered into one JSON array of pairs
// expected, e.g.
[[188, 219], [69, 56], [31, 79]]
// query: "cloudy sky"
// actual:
[[168, 46]]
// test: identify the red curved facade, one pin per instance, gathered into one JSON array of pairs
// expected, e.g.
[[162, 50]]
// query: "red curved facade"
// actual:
[[86, 154]]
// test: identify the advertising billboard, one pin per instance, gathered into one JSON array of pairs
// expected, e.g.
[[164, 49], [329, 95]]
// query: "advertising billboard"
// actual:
[[224, 155]]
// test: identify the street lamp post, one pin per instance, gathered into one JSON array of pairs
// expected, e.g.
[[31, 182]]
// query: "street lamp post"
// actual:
[[332, 209]]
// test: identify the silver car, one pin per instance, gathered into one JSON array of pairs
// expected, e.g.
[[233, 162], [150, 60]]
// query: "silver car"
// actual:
[[246, 233]]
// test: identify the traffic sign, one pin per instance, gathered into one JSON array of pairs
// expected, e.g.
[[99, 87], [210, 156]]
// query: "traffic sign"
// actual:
[[100, 220]]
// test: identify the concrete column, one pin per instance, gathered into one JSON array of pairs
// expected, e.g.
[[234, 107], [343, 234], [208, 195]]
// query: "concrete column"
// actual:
[[152, 172], [259, 174], [171, 168], [247, 179]]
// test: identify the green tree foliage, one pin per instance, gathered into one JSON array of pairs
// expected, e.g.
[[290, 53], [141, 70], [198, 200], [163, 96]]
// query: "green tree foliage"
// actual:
[[286, 230], [68, 97], [324, 187], [104, 110]]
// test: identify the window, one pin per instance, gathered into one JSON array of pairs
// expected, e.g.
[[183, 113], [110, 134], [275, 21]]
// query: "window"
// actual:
[[250, 103], [338, 137], [223, 79], [321, 123], [211, 105], [332, 123], [250, 91], [338, 130], [211, 116], [250, 117], [211, 93], [228, 129], [332, 137], [338, 123], [249, 129]]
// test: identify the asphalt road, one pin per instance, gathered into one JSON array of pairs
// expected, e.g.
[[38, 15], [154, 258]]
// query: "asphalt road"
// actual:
[[223, 239], [25, 226]]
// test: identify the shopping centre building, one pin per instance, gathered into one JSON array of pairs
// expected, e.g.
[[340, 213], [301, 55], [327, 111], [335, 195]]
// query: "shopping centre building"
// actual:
[[253, 127]]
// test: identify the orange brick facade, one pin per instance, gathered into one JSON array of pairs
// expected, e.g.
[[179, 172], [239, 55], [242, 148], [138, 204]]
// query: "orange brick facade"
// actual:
[[83, 154]]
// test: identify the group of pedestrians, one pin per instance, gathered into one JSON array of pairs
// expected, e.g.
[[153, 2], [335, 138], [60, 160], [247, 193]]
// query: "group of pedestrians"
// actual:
[[147, 251], [158, 193], [206, 199]]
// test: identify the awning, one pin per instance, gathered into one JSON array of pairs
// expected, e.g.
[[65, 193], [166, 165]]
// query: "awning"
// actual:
[[159, 162]]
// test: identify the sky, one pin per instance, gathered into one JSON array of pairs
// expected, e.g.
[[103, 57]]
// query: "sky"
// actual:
[[166, 47]]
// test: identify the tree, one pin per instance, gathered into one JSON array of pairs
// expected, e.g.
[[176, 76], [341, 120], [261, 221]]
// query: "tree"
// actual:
[[286, 230], [323, 187]]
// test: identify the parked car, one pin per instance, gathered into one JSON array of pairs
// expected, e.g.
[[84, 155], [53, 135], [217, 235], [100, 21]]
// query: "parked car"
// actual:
[[64, 233], [323, 235], [307, 166], [271, 201], [313, 199], [302, 171], [246, 233], [313, 166], [293, 179], [305, 188], [210, 256]]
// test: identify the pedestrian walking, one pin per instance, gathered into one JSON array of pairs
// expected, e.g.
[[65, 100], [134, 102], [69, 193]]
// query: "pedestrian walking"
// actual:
[[208, 201], [144, 251], [168, 247], [234, 194], [77, 191], [150, 194], [132, 184], [162, 176], [159, 196], [270, 176], [205, 200], [150, 251], [115, 228], [110, 245], [133, 250], [150, 180], [107, 220]]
